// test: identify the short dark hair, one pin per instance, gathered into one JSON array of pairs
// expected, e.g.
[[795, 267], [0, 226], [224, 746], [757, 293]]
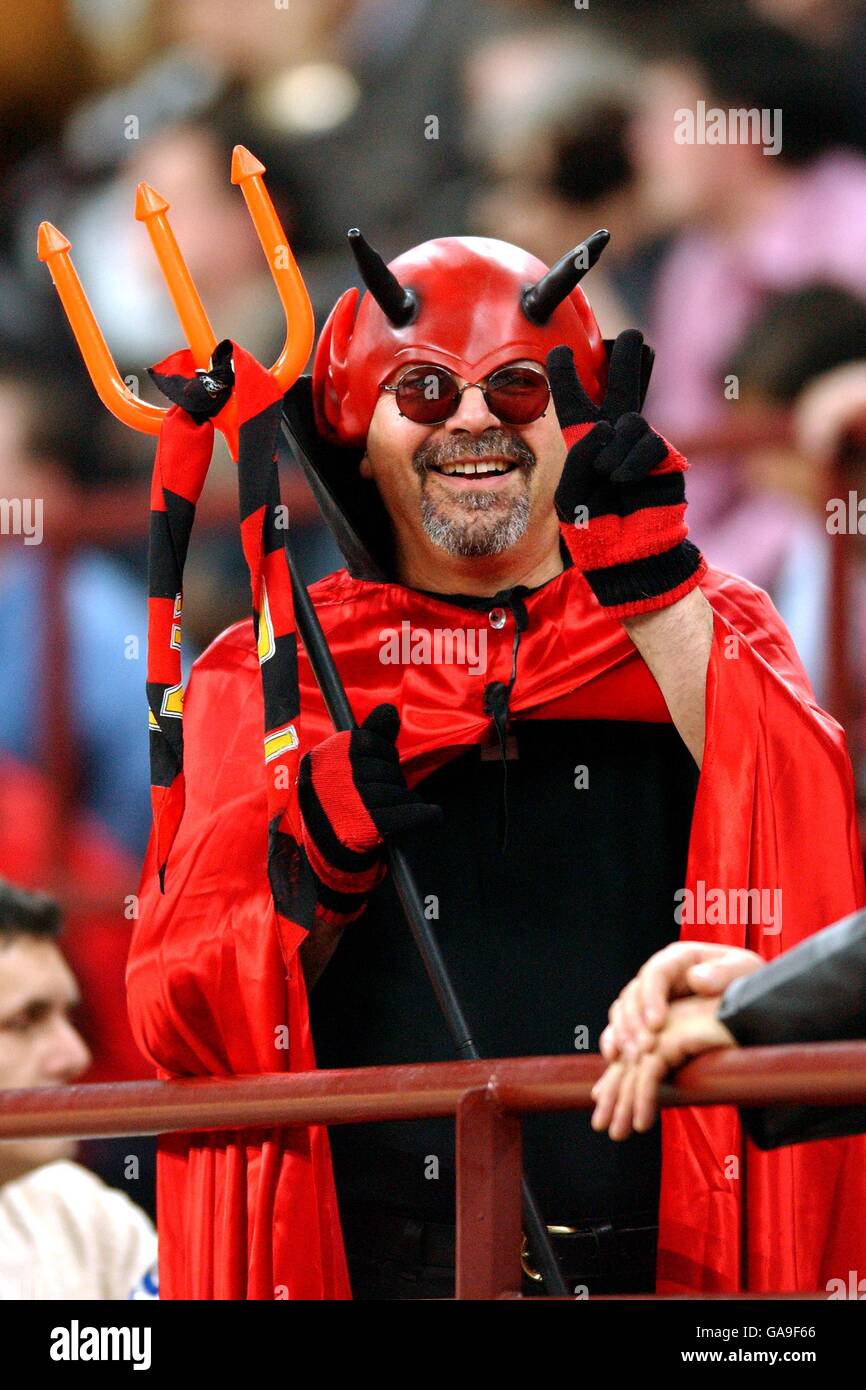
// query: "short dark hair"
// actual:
[[797, 336], [27, 914], [57, 424], [590, 154], [751, 62]]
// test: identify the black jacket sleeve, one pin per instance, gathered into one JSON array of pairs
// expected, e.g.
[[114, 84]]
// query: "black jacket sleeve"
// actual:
[[814, 993]]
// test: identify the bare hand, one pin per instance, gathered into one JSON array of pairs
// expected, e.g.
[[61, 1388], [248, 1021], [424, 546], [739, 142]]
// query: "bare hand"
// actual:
[[683, 968], [831, 405], [626, 1096]]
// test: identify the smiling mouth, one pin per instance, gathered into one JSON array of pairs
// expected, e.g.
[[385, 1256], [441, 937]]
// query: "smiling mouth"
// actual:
[[476, 468]]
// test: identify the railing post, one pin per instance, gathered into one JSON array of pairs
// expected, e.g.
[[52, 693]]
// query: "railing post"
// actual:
[[489, 1223]]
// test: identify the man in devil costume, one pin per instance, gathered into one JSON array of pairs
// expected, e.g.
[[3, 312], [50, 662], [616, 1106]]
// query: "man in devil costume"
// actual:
[[570, 721]]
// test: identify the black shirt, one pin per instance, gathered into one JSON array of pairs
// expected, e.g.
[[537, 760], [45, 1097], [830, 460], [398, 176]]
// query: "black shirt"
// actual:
[[550, 896]]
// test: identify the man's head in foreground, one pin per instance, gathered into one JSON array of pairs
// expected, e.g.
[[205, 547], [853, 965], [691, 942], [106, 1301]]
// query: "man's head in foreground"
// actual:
[[39, 1045], [439, 374]]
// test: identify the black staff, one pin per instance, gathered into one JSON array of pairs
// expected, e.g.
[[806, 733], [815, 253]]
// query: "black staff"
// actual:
[[334, 694]]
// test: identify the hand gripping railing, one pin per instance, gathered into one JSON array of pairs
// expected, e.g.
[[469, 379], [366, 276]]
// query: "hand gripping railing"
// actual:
[[486, 1099]]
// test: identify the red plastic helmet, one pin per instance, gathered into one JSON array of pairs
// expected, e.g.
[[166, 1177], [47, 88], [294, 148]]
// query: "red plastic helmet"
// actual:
[[468, 303]]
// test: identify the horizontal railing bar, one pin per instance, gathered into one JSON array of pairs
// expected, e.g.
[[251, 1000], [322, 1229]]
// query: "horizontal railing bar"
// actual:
[[825, 1073], [818, 1074]]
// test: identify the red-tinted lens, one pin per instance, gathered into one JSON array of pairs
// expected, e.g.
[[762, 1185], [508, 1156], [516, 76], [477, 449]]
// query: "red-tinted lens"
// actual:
[[427, 394], [517, 395]]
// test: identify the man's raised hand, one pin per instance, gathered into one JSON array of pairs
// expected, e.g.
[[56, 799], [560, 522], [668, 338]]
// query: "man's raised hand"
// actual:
[[622, 488]]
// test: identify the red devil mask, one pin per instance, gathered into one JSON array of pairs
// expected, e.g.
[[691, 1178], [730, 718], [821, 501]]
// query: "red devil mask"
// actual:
[[469, 303]]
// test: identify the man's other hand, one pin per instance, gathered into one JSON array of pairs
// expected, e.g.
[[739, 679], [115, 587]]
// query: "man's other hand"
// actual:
[[683, 968], [626, 1096]]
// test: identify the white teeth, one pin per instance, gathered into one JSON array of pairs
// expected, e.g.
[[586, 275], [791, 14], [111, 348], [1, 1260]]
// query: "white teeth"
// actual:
[[469, 470]]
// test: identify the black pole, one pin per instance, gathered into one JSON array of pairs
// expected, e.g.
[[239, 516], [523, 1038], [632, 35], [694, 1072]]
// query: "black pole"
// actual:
[[337, 703]]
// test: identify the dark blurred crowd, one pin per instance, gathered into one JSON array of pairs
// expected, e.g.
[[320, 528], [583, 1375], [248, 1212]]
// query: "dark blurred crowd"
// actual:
[[532, 122]]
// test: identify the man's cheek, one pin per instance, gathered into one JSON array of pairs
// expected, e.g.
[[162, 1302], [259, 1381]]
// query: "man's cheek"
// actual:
[[547, 472]]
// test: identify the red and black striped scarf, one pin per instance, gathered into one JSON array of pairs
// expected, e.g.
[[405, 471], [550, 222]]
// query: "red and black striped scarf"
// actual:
[[182, 461]]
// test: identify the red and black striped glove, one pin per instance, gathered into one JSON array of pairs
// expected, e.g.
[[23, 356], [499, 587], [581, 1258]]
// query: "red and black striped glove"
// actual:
[[353, 797], [622, 488]]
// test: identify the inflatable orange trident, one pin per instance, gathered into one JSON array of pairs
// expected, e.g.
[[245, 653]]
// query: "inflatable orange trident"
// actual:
[[53, 248]]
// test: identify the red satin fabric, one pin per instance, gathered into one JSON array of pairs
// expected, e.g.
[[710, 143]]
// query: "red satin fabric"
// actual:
[[241, 1216]]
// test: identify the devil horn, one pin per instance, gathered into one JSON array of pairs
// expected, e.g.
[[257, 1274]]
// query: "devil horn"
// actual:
[[400, 305], [540, 300]]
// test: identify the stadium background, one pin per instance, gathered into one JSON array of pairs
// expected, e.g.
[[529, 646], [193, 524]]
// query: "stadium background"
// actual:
[[534, 122]]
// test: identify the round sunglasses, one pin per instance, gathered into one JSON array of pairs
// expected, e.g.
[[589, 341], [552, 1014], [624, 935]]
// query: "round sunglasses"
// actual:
[[429, 394]]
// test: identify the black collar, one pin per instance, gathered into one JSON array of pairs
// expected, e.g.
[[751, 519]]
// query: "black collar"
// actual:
[[504, 596]]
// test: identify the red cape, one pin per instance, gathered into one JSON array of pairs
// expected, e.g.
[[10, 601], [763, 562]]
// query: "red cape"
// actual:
[[244, 1215], [98, 908]]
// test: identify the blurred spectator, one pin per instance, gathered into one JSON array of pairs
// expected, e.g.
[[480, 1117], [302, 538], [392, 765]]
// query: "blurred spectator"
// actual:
[[45, 842], [827, 22], [830, 421], [42, 69], [838, 25], [831, 408], [189, 166], [63, 1233], [752, 223], [549, 112], [789, 349], [105, 620], [357, 106]]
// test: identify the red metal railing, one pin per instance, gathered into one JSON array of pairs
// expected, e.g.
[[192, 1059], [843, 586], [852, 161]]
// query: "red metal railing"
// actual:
[[486, 1099]]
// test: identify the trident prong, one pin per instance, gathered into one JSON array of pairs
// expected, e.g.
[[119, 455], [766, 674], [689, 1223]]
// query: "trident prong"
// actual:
[[152, 210], [247, 172], [53, 248]]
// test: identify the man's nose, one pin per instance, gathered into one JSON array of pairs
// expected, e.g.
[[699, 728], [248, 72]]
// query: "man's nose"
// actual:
[[69, 1056], [473, 415]]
